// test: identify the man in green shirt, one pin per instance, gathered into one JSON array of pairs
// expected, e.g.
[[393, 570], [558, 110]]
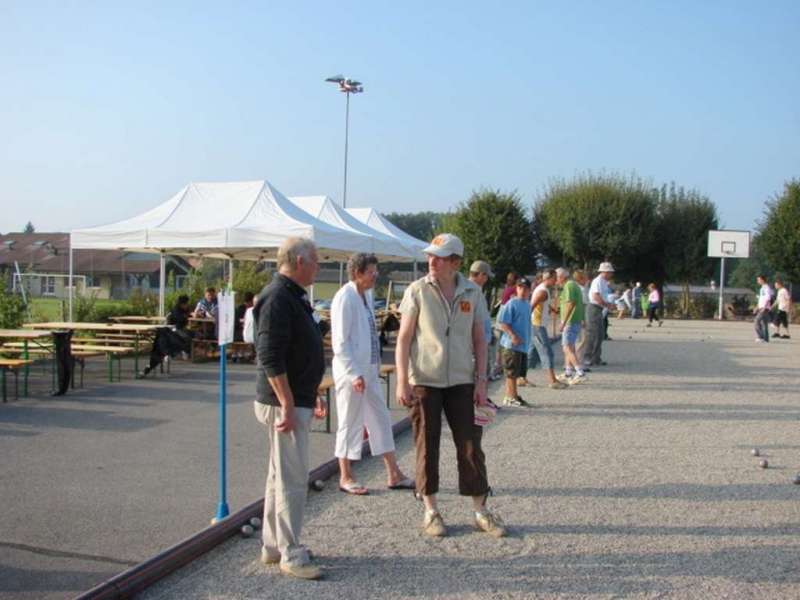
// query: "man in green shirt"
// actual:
[[572, 315]]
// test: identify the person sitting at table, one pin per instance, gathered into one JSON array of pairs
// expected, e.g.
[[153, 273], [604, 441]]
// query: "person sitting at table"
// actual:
[[207, 307], [178, 317], [171, 343]]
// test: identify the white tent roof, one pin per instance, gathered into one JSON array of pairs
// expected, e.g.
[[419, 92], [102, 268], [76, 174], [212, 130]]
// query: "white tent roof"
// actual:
[[375, 220], [325, 209], [241, 219]]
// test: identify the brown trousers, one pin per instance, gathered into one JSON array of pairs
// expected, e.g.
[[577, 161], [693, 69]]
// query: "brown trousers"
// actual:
[[426, 420]]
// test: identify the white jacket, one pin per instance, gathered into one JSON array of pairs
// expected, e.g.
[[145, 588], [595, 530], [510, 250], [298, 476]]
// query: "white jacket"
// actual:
[[350, 334]]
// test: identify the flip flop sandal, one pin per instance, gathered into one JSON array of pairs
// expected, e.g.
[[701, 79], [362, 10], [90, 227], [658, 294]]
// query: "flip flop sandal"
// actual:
[[403, 484], [356, 489]]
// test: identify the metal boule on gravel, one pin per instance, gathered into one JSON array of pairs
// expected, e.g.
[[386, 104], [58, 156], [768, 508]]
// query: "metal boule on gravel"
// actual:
[[318, 485], [255, 523], [247, 530], [763, 463], [755, 452], [796, 480]]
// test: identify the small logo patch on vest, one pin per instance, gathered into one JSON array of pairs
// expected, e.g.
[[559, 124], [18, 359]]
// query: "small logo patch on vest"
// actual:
[[465, 306]]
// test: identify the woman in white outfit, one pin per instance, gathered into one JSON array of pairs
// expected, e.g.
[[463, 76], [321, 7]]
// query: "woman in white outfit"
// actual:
[[359, 394]]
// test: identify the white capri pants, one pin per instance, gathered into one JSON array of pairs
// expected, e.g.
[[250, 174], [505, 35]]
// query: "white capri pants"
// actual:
[[355, 411]]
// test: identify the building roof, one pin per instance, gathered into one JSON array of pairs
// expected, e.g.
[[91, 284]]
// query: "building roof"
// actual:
[[49, 253]]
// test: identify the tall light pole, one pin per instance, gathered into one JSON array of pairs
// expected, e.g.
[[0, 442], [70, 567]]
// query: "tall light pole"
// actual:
[[348, 86]]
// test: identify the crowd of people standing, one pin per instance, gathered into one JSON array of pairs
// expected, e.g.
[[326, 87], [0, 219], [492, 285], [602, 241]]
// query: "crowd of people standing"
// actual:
[[448, 347]]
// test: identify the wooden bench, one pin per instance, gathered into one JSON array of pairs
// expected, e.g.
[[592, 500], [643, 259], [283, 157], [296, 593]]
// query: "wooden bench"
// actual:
[[112, 353], [385, 374], [12, 365]]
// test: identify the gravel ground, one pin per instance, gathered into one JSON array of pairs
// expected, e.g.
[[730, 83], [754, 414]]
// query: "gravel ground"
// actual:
[[639, 484]]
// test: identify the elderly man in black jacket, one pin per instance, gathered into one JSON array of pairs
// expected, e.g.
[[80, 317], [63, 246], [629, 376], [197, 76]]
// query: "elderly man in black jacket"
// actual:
[[290, 368]]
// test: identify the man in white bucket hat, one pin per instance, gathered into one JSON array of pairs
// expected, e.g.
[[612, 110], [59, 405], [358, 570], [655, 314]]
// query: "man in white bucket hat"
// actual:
[[598, 300]]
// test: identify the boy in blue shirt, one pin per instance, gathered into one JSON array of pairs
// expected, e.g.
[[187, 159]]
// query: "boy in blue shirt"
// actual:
[[514, 320]]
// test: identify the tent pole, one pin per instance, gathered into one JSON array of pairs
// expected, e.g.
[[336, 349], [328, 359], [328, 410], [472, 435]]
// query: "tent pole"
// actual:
[[415, 270], [341, 273], [230, 274], [162, 283], [71, 291]]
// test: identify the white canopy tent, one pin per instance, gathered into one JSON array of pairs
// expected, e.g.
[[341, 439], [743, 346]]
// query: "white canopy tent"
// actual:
[[375, 220], [243, 219], [385, 246]]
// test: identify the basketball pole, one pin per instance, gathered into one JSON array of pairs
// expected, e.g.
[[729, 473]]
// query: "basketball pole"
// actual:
[[721, 288]]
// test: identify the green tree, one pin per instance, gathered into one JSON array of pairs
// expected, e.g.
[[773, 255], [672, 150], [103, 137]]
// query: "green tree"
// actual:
[[494, 227], [248, 276], [597, 217], [29, 228], [421, 225], [779, 231], [743, 271], [685, 218]]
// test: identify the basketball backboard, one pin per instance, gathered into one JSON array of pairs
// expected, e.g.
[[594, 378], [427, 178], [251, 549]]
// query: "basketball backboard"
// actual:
[[728, 243]]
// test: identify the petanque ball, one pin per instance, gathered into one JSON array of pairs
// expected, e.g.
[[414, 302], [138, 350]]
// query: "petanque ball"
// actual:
[[763, 463], [247, 530], [797, 479], [318, 485], [755, 452], [630, 337], [255, 522]]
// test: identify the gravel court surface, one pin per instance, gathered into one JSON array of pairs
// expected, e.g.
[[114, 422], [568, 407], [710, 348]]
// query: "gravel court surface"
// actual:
[[103, 478], [639, 484]]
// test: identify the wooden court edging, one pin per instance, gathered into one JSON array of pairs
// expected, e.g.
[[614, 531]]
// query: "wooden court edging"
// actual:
[[136, 579]]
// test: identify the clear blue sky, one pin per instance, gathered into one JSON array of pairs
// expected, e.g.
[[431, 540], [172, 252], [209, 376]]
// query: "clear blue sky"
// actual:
[[108, 108]]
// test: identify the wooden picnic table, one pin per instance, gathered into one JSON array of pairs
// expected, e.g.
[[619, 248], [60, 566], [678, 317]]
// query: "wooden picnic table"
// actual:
[[138, 331], [133, 319], [27, 336]]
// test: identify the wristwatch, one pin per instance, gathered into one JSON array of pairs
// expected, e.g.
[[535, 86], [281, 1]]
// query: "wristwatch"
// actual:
[[481, 378]]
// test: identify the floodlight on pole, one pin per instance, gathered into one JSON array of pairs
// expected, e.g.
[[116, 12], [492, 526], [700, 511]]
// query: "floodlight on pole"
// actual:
[[347, 86]]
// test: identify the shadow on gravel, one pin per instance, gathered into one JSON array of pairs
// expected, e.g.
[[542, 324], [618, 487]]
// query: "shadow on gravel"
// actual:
[[74, 418], [689, 414], [16, 580], [619, 574], [676, 491], [792, 529]]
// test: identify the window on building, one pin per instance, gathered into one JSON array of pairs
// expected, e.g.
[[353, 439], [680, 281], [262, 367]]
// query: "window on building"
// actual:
[[49, 287]]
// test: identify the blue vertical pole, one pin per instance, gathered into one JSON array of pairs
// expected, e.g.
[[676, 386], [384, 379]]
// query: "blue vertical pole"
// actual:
[[222, 508]]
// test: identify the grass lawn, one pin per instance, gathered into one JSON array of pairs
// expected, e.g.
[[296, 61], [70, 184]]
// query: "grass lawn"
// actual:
[[50, 309]]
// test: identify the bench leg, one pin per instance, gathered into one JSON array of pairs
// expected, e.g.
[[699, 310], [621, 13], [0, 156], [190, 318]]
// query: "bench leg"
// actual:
[[16, 384], [3, 375]]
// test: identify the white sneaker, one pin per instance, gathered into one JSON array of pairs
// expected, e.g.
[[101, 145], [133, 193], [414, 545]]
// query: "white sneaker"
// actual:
[[577, 380]]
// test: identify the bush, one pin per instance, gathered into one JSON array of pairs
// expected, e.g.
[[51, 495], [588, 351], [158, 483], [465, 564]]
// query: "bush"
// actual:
[[83, 307], [143, 304], [702, 306], [741, 306], [12, 310], [102, 313]]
